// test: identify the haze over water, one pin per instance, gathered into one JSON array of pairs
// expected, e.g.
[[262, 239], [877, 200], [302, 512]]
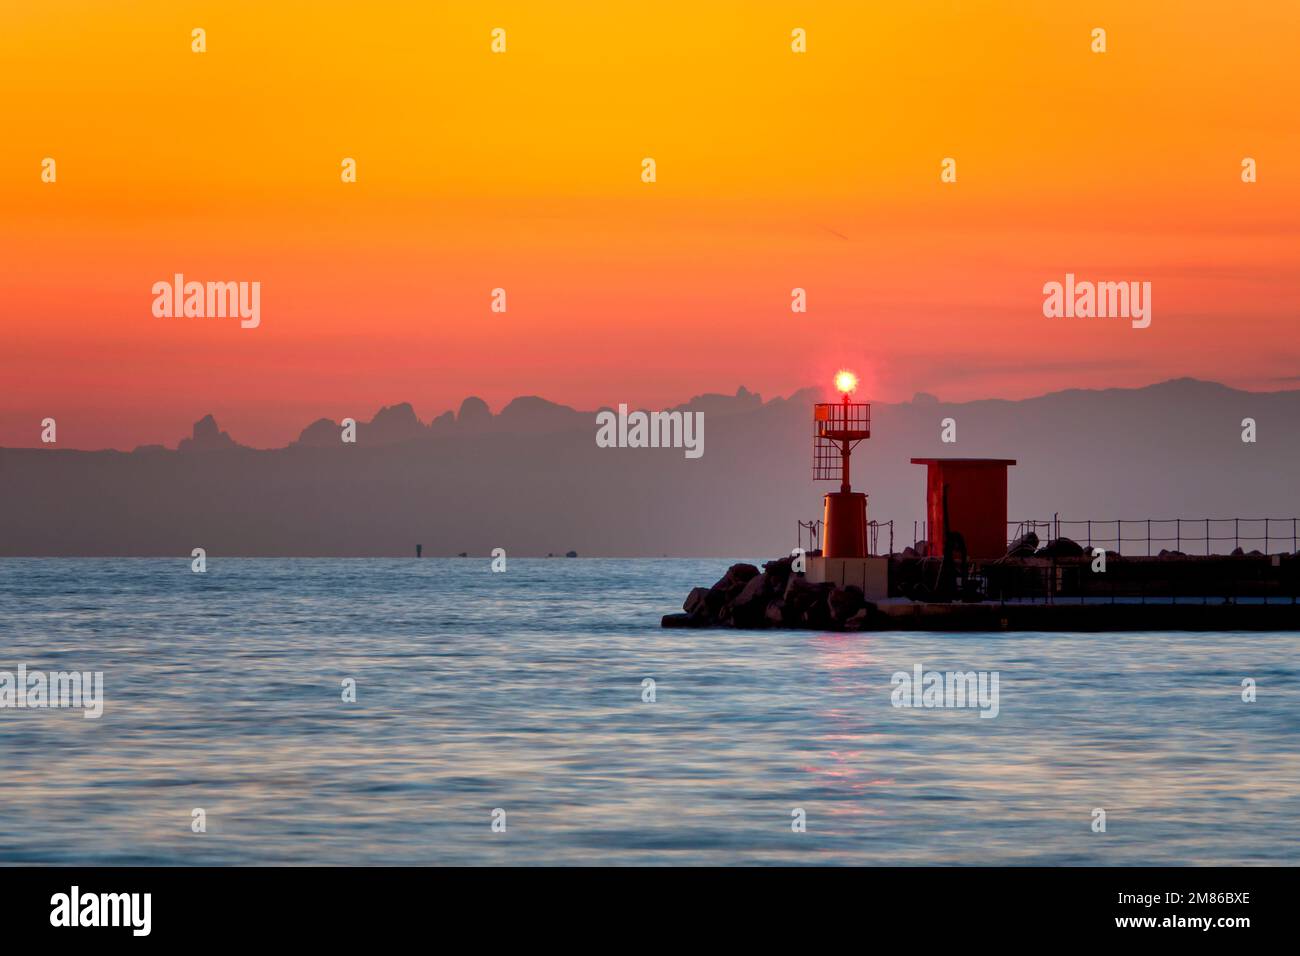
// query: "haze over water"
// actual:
[[523, 691]]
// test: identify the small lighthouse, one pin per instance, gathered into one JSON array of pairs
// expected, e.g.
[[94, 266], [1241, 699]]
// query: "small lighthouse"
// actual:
[[837, 429]]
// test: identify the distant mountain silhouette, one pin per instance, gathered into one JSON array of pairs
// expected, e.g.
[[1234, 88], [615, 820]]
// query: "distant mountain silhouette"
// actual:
[[474, 415], [391, 425], [206, 437], [1167, 450], [321, 433], [530, 413]]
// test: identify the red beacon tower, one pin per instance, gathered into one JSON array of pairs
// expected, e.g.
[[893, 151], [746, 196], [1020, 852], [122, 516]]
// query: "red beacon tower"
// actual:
[[837, 429]]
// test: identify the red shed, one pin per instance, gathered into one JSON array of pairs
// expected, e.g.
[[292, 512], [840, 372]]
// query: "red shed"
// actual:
[[977, 503]]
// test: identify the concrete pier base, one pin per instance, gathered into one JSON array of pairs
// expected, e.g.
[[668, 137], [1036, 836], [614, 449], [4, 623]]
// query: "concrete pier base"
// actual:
[[901, 614]]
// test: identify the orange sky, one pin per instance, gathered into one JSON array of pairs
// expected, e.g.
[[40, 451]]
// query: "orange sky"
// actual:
[[522, 171]]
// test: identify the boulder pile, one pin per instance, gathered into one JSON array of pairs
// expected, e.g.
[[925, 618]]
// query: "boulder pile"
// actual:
[[777, 596]]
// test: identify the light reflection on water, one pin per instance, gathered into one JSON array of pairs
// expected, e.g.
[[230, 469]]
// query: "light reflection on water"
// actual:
[[523, 691]]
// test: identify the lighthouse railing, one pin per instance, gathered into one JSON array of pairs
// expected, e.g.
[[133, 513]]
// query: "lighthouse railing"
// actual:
[[811, 532]]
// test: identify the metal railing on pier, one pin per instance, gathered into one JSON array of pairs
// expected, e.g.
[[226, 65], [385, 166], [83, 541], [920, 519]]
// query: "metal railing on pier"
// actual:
[[1067, 579], [1152, 535], [1141, 536]]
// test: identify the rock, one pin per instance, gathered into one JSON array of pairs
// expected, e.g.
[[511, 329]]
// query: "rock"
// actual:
[[742, 596], [716, 607], [696, 601], [571, 554], [1237, 553], [751, 592], [818, 615], [799, 593], [777, 574], [728, 588], [858, 621], [684, 620], [775, 613], [750, 605], [806, 604], [845, 602], [745, 597], [1024, 546], [737, 577]]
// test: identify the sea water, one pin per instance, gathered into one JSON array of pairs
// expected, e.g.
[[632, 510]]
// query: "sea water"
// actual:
[[523, 697]]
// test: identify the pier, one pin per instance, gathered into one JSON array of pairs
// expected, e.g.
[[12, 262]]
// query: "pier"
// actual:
[[1062, 585], [1031, 593]]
